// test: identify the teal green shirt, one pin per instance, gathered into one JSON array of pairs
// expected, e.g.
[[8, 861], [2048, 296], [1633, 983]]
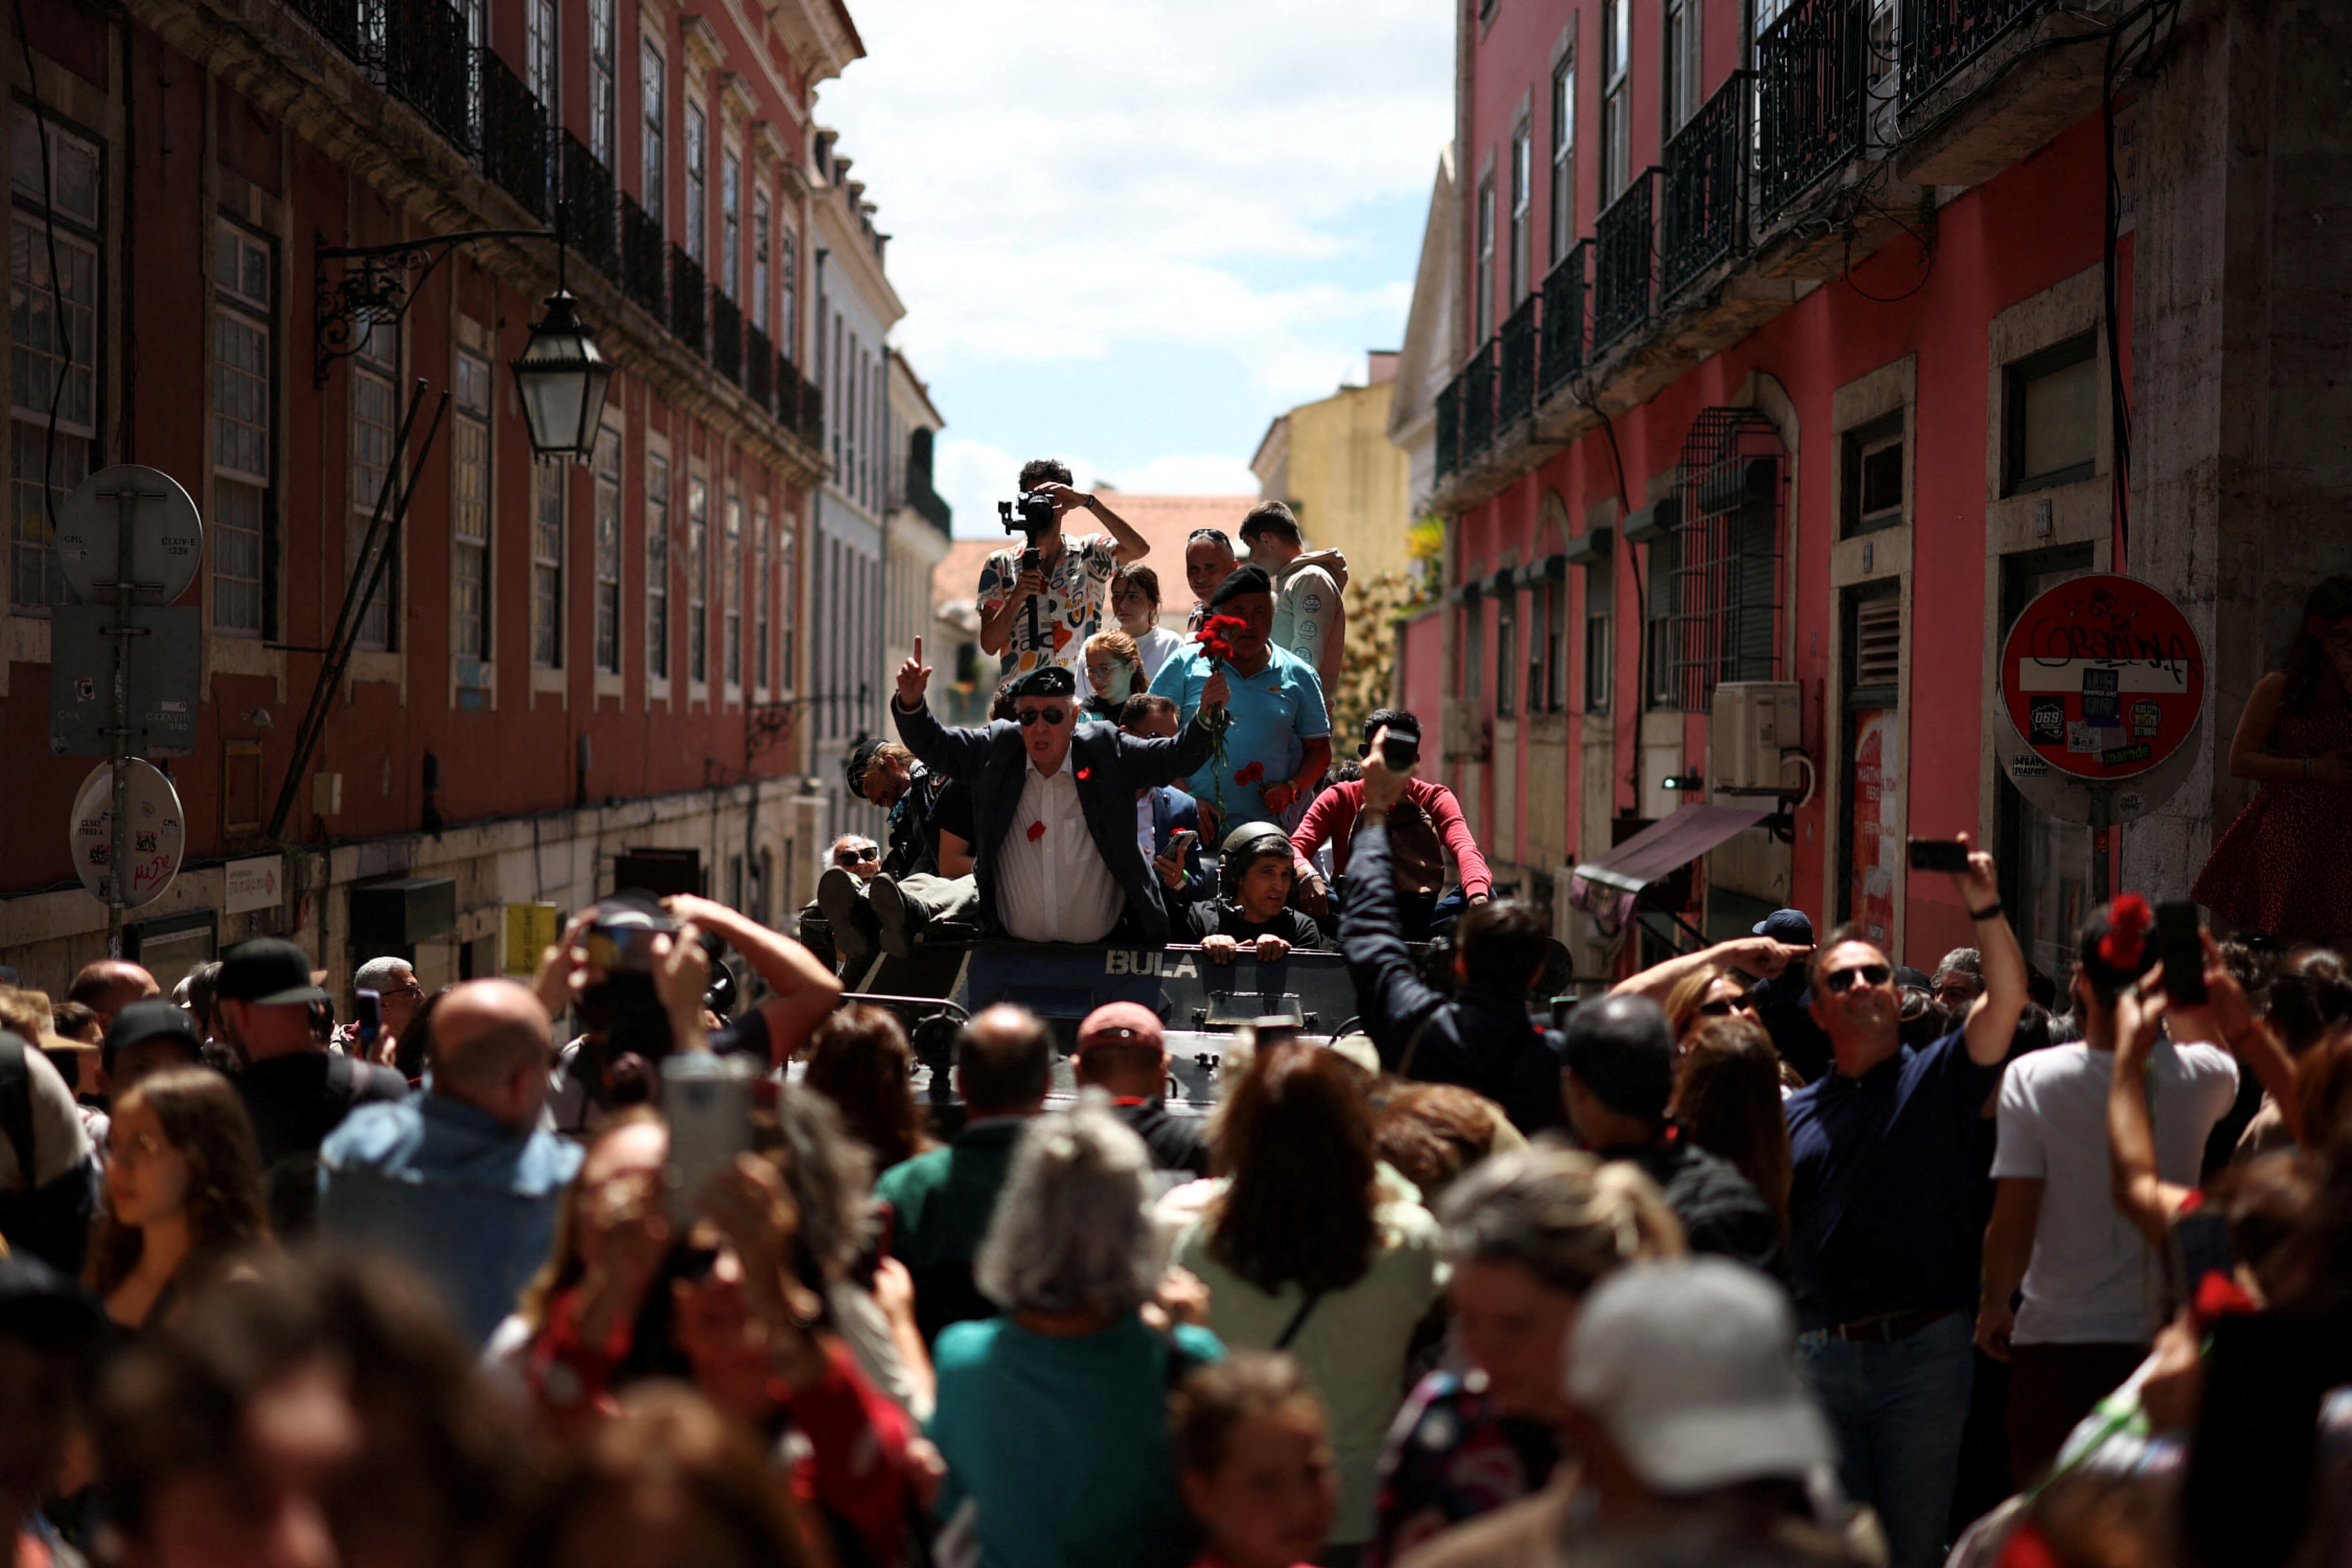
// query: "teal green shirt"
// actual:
[[941, 1204]]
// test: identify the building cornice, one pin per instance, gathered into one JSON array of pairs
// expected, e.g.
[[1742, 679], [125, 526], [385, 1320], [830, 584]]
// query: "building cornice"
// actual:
[[819, 34], [735, 91], [703, 45]]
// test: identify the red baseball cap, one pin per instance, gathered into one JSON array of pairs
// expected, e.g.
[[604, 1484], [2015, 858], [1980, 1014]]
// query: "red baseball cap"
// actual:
[[1122, 1023]]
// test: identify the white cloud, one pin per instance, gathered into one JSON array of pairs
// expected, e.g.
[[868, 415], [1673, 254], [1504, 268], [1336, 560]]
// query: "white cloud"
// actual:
[[973, 476]]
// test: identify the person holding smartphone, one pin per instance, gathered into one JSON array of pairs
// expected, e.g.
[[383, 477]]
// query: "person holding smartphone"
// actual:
[[1166, 820], [1425, 826]]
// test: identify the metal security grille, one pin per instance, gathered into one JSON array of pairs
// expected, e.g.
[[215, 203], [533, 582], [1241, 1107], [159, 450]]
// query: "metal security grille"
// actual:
[[1939, 37], [1732, 485]]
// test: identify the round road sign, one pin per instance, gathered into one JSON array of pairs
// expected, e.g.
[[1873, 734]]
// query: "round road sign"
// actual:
[[167, 540], [2103, 678], [158, 837]]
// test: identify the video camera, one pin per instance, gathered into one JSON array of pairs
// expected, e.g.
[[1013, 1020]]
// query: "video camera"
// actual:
[[1032, 514]]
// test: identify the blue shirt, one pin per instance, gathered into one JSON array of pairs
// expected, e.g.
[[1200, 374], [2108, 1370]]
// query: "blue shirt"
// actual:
[[1886, 1185], [1061, 1443], [451, 1191], [1276, 712]]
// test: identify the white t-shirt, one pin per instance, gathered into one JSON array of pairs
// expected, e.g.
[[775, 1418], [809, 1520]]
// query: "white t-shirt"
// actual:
[[1155, 645], [2093, 1278]]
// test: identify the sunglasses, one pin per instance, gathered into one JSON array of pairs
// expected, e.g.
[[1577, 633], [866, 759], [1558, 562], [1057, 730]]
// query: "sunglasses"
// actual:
[[1029, 716], [1724, 1006], [1842, 979]]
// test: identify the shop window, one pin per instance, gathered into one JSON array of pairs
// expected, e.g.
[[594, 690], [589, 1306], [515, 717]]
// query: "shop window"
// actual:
[[2054, 415]]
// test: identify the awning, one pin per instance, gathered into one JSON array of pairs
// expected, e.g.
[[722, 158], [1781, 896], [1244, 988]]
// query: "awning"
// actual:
[[1665, 846]]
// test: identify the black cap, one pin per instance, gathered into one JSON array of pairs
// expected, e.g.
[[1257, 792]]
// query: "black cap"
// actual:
[[155, 1019], [1047, 680], [1624, 1050], [269, 971], [1245, 579], [854, 766]]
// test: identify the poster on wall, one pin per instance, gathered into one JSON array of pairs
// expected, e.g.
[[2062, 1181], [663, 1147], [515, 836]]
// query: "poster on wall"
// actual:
[[1875, 851]]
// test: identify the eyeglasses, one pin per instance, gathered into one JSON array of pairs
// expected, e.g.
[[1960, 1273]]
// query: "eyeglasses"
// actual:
[[136, 1150], [1029, 716], [1842, 979], [1724, 1006]]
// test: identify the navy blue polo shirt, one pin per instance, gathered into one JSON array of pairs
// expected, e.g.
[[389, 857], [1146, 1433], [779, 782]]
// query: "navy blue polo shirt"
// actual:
[[1885, 1200]]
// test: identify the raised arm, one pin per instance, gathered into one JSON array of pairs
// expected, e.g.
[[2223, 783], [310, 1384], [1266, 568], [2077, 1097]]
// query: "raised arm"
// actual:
[[2225, 1019], [1389, 994], [1758, 956], [955, 754], [1128, 545], [2142, 1195], [1992, 1017], [806, 991]]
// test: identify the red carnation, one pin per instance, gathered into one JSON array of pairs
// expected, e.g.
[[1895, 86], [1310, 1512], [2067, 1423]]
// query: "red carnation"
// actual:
[[1036, 831], [1085, 772], [1250, 775], [1217, 637], [2127, 925], [2219, 1296]]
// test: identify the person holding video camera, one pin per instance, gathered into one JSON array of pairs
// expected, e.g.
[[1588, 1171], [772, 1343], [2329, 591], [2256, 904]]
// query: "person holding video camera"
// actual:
[[1039, 604], [1425, 824]]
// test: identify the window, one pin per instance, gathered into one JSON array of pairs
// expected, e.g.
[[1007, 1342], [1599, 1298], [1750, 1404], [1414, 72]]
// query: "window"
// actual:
[[2054, 415], [1600, 647], [698, 179], [731, 217], [1660, 623], [1547, 648], [1507, 652], [1563, 157], [731, 589], [1872, 477], [538, 54], [763, 595], [547, 565], [656, 567], [478, 38], [1473, 649], [1724, 590], [469, 507], [1872, 769], [608, 552], [1523, 177], [760, 257], [787, 594], [1616, 98], [1485, 320], [53, 333], [375, 417], [650, 84], [602, 113], [698, 580], [241, 427], [1682, 39], [788, 316]]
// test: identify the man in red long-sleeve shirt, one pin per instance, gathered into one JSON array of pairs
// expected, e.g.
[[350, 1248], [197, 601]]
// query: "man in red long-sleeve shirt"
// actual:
[[1421, 899]]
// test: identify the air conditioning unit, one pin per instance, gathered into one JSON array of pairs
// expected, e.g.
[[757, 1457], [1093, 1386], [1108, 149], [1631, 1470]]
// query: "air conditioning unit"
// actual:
[[1464, 733], [1755, 739]]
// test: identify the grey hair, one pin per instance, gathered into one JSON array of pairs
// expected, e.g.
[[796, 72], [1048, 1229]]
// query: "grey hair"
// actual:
[[1966, 959], [374, 974], [1070, 1230], [831, 1175], [1561, 1214]]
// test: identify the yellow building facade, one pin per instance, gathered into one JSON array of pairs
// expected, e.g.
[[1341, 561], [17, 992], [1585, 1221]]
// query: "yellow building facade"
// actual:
[[1331, 461]]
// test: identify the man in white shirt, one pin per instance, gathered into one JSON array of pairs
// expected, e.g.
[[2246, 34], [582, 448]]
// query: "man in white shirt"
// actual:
[[2094, 1290], [1056, 856], [1309, 618]]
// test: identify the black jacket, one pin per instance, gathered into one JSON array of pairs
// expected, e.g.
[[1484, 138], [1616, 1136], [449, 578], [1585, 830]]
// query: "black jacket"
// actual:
[[1720, 1209], [1481, 1042], [1217, 917], [914, 840], [1110, 765]]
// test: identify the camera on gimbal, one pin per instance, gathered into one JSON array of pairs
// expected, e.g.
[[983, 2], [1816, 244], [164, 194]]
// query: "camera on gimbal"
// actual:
[[1032, 514]]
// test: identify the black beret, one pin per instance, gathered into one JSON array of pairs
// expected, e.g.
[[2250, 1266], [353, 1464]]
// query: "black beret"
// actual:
[[1047, 680], [854, 766], [1244, 579]]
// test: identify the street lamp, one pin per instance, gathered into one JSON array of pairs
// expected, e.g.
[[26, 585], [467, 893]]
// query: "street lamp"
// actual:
[[563, 379]]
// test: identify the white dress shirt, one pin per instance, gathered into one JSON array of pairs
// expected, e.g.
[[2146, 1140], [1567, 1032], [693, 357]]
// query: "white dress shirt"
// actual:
[[1054, 886], [1147, 836]]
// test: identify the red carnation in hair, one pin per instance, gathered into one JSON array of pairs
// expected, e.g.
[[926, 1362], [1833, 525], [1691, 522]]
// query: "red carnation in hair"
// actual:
[[1217, 637], [2027, 1547], [1036, 831], [2127, 923], [1250, 775]]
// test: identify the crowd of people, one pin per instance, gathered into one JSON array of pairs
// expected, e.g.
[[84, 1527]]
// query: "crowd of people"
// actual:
[[1778, 1252]]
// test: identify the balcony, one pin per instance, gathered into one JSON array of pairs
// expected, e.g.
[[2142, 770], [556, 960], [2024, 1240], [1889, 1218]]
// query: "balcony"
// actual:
[[1624, 248], [1449, 424], [726, 336], [425, 61], [593, 232], [759, 370], [1939, 37], [689, 298], [642, 263], [1515, 398], [1562, 345], [338, 21], [808, 415], [1477, 384], [513, 134], [1812, 80], [1705, 220]]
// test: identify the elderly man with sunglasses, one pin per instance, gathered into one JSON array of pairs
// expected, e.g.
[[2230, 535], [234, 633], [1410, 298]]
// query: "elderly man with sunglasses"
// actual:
[[1055, 857], [1886, 1210]]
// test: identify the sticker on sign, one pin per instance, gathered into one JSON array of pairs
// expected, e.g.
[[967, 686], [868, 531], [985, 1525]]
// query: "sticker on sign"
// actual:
[[2102, 677]]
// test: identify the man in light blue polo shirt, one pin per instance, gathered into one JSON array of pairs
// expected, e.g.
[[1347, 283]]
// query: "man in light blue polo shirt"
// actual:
[[1280, 742]]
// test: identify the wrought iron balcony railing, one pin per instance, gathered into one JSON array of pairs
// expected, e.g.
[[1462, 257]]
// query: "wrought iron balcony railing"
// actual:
[[1449, 428], [1515, 396], [931, 507], [644, 265], [424, 60], [1813, 81], [689, 298], [593, 232], [726, 336], [1478, 401], [1561, 352], [337, 20], [514, 135], [1624, 248], [1705, 216], [759, 369], [1939, 37]]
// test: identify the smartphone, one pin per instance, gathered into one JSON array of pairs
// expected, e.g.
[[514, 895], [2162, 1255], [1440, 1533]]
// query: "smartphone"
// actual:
[[1179, 844], [1400, 750], [371, 1017], [1939, 855], [2179, 942], [707, 1101]]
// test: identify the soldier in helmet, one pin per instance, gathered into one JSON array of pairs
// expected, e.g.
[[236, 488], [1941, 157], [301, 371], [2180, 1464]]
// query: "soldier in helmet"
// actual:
[[1252, 906]]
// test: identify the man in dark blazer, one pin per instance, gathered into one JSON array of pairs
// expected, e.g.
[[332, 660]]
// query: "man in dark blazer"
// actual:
[[1057, 858]]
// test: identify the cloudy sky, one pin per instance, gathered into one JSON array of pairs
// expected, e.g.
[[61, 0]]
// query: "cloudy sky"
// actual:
[[1129, 232]]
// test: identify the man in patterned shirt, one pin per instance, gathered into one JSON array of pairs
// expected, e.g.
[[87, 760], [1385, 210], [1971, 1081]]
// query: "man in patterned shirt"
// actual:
[[1044, 615]]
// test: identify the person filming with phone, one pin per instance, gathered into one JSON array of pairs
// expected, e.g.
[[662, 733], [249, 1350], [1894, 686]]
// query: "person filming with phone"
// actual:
[[1425, 826], [1040, 601]]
